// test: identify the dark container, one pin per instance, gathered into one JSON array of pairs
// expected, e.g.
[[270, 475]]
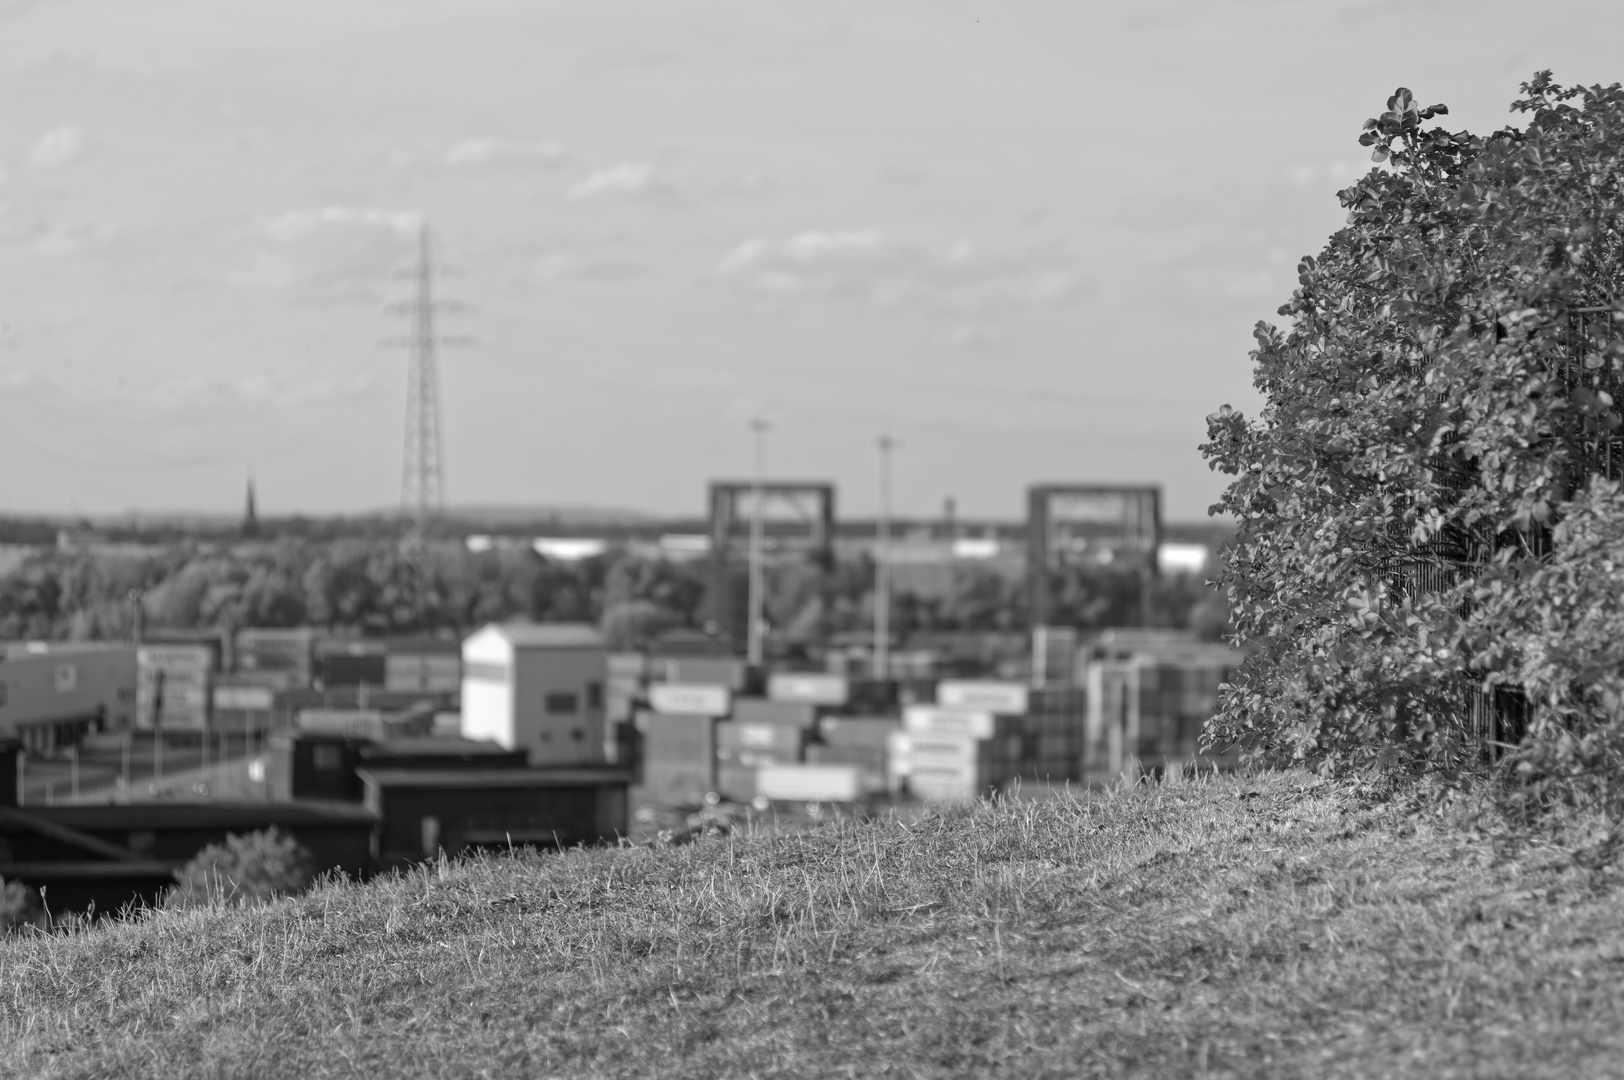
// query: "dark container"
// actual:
[[799, 713], [736, 782], [858, 731], [349, 663], [423, 812], [10, 750], [307, 765]]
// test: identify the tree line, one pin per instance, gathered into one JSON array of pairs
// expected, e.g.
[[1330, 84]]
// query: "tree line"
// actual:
[[377, 587]]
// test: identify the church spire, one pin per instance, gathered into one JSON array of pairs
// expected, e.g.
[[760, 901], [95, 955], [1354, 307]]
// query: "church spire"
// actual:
[[250, 517]]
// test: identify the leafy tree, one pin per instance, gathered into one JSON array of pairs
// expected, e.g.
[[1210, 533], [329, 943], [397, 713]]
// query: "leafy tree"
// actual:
[[1428, 414]]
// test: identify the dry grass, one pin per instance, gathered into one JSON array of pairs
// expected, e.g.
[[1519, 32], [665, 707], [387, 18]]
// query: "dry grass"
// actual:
[[1270, 926]]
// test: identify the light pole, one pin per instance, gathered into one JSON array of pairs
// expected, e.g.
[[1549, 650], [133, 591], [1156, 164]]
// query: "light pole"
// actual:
[[758, 428], [882, 565]]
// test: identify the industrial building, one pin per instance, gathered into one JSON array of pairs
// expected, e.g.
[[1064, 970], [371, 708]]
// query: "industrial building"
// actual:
[[539, 687], [54, 693]]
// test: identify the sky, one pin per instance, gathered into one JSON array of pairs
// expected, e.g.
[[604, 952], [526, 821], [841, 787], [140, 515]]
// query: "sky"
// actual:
[[1029, 239]]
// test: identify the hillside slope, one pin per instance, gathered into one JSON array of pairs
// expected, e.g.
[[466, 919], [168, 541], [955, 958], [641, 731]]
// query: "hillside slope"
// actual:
[[1269, 926]]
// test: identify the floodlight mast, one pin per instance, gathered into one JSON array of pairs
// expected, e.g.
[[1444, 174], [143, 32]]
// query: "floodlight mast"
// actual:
[[759, 427], [882, 565]]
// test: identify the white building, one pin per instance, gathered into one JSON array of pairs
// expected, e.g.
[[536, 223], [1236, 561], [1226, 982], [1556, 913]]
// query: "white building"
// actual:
[[53, 692], [537, 687]]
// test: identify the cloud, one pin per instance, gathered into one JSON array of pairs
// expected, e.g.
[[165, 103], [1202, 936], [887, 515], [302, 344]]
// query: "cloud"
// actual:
[[633, 179], [556, 266], [483, 152], [297, 223], [867, 266], [57, 148], [335, 254]]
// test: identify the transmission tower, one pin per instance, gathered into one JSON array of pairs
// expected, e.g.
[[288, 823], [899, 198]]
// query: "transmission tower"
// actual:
[[422, 478]]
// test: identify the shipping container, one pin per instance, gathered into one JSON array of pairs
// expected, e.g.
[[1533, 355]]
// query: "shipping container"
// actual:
[[677, 783], [778, 738], [720, 671], [800, 713], [935, 718], [351, 723], [811, 783], [1001, 698], [809, 688], [858, 731], [690, 699], [349, 663], [736, 782]]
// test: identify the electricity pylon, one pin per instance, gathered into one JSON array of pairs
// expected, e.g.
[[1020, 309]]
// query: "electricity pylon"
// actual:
[[422, 478]]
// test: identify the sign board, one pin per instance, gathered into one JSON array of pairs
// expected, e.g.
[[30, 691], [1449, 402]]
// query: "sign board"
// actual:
[[690, 699], [939, 720], [1001, 698], [810, 688], [175, 659], [259, 698], [66, 678]]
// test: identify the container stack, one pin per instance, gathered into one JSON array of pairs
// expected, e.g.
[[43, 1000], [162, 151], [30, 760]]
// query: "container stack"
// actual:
[[770, 736], [1147, 712], [423, 664], [968, 745], [1056, 719], [678, 737], [859, 742], [349, 663]]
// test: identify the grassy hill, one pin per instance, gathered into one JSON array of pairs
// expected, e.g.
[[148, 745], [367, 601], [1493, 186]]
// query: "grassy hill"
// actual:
[[1271, 926]]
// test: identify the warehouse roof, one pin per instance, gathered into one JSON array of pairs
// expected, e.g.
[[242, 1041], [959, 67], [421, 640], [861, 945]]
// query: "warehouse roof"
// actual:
[[20, 649], [550, 635], [492, 778], [238, 816]]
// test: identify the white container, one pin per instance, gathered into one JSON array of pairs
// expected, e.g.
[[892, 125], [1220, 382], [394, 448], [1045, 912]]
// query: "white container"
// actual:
[[690, 699], [936, 790], [256, 698], [1003, 698], [809, 688], [356, 723], [810, 783], [949, 721], [931, 746]]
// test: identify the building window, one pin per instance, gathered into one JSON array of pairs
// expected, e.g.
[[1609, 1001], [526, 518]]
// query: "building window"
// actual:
[[327, 758], [563, 704], [594, 696]]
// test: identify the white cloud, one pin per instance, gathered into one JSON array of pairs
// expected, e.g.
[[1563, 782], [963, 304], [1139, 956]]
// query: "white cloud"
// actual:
[[633, 178], [338, 254], [472, 153], [56, 148], [297, 223], [868, 266]]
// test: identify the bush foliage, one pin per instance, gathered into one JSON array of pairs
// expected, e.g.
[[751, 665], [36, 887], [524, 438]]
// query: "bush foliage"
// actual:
[[20, 908], [249, 869], [1416, 515]]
